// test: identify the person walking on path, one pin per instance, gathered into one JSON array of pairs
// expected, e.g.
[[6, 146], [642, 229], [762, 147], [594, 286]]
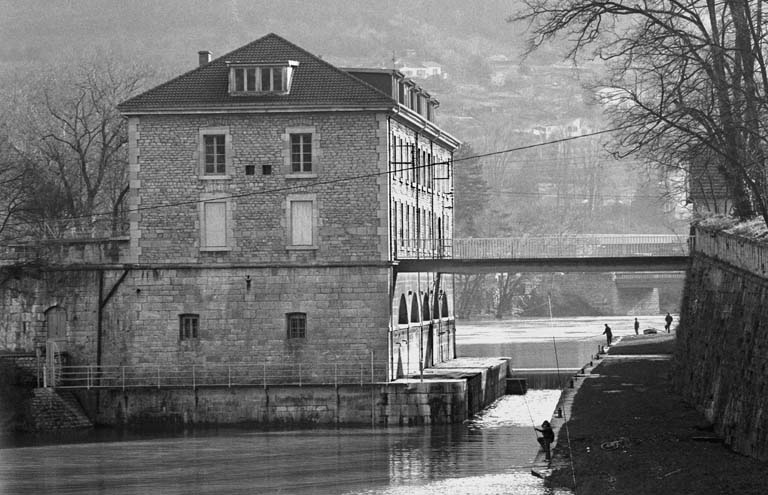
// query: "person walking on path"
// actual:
[[668, 320], [546, 438], [608, 334], [637, 327]]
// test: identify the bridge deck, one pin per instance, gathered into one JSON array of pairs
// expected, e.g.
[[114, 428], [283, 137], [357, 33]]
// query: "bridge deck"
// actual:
[[565, 253], [595, 264]]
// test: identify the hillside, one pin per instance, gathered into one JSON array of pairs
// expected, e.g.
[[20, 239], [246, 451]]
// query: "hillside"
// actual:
[[492, 98]]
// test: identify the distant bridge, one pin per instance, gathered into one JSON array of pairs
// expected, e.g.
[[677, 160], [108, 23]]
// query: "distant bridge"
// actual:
[[566, 253]]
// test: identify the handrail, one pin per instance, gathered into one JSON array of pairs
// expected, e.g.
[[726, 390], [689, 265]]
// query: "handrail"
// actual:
[[53, 355], [222, 375], [546, 246], [744, 253]]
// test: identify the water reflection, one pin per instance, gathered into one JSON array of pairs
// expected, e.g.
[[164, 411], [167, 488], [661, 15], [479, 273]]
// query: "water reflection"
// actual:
[[492, 451], [489, 455]]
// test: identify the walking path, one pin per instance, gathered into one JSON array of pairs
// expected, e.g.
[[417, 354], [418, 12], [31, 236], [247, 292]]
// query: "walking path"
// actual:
[[628, 432]]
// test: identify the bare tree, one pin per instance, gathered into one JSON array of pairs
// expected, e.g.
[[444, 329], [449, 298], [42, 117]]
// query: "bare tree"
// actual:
[[66, 127], [689, 81], [14, 178]]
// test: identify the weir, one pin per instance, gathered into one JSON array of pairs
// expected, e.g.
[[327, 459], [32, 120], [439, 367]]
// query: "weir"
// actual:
[[540, 378]]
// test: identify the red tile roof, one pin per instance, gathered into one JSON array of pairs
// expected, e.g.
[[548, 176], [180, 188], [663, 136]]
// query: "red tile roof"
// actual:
[[316, 84]]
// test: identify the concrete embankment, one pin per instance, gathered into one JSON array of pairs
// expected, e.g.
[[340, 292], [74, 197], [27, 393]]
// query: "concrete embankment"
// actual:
[[628, 433], [447, 394]]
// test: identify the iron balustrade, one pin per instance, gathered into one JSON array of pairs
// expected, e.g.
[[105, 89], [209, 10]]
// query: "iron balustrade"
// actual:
[[224, 375], [747, 254], [552, 246], [418, 248]]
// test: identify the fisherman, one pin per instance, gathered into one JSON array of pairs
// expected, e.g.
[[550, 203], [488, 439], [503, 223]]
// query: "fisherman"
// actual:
[[546, 438], [637, 327], [608, 334], [668, 321]]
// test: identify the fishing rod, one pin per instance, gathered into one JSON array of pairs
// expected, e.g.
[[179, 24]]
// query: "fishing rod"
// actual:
[[565, 419], [535, 431]]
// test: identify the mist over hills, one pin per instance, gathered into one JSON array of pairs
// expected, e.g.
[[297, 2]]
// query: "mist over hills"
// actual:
[[462, 37], [492, 97]]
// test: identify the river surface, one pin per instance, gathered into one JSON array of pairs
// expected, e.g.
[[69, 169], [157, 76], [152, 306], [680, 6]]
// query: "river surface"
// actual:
[[490, 454]]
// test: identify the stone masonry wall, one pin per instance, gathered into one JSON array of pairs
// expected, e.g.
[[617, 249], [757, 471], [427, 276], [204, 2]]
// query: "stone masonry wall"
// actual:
[[31, 293], [403, 403], [166, 171], [242, 317], [722, 352]]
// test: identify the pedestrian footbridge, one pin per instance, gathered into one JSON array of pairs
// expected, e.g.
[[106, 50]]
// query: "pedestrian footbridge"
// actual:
[[561, 253]]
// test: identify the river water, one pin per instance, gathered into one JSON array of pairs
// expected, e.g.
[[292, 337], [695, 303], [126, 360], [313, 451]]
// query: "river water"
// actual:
[[490, 454]]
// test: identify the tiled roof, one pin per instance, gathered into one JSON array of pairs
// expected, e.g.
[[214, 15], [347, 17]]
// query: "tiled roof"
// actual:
[[316, 83]]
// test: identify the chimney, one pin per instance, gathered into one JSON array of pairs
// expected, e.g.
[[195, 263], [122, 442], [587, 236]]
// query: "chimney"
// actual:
[[204, 57]]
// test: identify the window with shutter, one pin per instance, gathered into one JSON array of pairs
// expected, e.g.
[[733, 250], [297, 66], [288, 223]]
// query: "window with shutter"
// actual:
[[215, 224], [301, 223]]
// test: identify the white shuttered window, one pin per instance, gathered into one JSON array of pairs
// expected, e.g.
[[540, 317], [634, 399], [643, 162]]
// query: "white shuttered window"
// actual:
[[301, 223], [215, 234]]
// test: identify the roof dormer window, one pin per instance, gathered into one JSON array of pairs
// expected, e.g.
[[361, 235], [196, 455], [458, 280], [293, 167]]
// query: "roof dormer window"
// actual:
[[260, 79]]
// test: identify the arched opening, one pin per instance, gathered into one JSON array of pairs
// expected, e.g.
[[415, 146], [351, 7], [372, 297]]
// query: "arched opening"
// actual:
[[436, 306], [56, 323], [402, 311], [425, 308], [414, 309]]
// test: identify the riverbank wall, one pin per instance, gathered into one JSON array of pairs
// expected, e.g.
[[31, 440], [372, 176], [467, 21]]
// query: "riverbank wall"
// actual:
[[448, 394], [721, 357]]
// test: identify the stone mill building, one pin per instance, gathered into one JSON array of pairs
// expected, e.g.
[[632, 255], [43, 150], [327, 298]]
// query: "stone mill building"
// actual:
[[271, 197]]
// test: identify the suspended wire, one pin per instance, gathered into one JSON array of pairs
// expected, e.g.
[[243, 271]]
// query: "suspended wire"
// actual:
[[544, 143], [303, 187]]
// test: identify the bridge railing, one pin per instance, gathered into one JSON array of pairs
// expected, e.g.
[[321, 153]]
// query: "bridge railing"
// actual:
[[423, 248], [536, 247]]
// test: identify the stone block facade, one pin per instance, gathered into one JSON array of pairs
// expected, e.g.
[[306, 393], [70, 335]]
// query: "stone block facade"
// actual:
[[264, 227], [722, 350], [31, 297], [169, 188], [242, 317]]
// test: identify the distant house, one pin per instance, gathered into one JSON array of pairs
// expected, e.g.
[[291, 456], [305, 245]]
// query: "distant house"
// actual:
[[271, 195], [423, 70]]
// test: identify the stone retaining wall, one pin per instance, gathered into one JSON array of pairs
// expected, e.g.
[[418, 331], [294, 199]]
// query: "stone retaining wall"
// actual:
[[722, 351], [402, 403]]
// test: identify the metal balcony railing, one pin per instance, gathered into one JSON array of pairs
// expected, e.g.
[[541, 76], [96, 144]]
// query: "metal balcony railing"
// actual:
[[225, 375]]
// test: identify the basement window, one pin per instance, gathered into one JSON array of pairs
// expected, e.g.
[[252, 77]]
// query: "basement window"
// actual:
[[297, 325], [188, 326]]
